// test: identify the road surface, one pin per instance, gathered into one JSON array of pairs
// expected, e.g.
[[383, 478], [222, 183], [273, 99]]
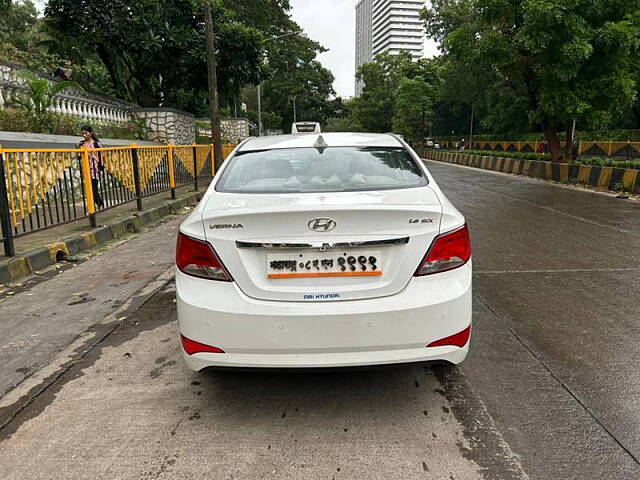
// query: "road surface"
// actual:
[[551, 387]]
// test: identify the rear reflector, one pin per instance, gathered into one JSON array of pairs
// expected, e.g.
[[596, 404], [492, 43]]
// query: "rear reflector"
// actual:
[[191, 346], [448, 251], [198, 259], [459, 339]]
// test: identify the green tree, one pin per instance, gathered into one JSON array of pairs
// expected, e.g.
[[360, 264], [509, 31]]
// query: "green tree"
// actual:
[[19, 24], [413, 101], [568, 60], [268, 16], [373, 110], [154, 53], [293, 74], [23, 41], [270, 120], [154, 50]]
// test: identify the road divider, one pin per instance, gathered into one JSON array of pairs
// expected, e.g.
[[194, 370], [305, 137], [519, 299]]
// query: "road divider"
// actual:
[[596, 148], [609, 178]]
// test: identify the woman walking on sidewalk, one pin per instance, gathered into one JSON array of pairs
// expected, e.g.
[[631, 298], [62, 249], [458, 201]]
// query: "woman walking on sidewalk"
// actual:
[[89, 140]]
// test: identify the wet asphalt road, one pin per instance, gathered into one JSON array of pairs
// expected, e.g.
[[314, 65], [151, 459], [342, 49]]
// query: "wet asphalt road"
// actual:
[[557, 312], [551, 388]]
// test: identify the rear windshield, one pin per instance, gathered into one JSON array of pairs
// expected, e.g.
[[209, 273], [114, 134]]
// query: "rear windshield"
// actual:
[[332, 169]]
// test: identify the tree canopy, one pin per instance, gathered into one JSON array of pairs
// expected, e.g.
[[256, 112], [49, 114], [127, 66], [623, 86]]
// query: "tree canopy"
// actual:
[[398, 96], [509, 67], [553, 60], [18, 22], [292, 74], [154, 53]]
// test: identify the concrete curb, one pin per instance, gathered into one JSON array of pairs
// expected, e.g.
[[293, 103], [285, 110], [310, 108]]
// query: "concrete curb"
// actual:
[[610, 178], [22, 265]]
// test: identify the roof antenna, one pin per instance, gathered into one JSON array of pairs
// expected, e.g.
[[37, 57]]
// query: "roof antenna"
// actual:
[[320, 144]]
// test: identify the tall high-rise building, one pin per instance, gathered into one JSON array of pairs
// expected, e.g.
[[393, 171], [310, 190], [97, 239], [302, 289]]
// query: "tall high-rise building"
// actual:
[[388, 26], [363, 37]]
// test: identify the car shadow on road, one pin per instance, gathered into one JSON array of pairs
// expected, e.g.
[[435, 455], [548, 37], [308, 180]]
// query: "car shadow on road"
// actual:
[[350, 397]]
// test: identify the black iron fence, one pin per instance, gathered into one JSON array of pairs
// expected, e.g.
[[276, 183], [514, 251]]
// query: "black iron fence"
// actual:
[[42, 188]]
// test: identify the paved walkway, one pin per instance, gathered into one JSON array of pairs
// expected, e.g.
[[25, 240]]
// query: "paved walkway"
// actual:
[[40, 140]]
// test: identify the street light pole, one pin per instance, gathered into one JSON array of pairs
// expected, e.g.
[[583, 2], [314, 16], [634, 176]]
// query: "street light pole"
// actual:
[[294, 110], [259, 113], [471, 129], [259, 83]]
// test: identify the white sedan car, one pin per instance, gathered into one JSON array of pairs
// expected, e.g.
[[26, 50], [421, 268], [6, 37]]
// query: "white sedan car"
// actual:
[[323, 250]]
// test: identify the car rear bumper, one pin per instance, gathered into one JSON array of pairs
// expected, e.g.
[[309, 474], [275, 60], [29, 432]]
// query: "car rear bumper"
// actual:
[[267, 334]]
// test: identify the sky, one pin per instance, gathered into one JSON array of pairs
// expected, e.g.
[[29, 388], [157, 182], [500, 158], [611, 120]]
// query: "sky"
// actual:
[[333, 24]]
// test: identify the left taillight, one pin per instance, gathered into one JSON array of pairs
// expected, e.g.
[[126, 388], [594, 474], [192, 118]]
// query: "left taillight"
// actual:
[[192, 347], [448, 251], [198, 259]]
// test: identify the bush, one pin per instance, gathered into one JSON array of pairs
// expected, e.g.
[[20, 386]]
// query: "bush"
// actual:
[[608, 162], [520, 155], [596, 161], [203, 140], [19, 120], [64, 125], [134, 130], [591, 135], [13, 120]]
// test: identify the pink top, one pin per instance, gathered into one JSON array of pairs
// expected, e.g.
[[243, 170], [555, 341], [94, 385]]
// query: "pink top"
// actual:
[[94, 159]]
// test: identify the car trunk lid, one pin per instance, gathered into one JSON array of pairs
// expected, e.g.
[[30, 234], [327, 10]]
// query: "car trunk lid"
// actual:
[[319, 246]]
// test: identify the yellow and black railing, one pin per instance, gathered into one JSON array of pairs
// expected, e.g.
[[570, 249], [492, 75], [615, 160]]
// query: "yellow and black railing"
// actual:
[[42, 188], [609, 178], [608, 148]]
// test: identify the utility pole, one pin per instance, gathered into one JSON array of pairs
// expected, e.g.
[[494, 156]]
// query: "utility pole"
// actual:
[[214, 101], [259, 111], [294, 110], [471, 130]]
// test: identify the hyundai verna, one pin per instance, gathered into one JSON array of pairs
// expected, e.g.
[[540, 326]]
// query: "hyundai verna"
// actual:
[[323, 250]]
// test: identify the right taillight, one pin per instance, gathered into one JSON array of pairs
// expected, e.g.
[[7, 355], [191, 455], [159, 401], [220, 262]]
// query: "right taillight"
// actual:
[[459, 339], [448, 251], [198, 259]]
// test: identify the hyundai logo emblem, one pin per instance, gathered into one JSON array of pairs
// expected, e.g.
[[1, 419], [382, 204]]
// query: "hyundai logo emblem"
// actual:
[[322, 224]]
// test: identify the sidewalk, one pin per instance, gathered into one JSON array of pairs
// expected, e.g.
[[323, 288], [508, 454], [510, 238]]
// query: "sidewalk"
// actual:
[[41, 140], [54, 321], [41, 249]]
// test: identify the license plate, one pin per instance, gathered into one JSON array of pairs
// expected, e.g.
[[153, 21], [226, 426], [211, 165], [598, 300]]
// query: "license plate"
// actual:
[[324, 264]]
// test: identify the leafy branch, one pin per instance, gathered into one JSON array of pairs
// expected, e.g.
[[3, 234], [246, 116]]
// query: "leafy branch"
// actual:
[[41, 92]]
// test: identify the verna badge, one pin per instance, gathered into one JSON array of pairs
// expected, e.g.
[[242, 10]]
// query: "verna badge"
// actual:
[[225, 225], [321, 224]]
